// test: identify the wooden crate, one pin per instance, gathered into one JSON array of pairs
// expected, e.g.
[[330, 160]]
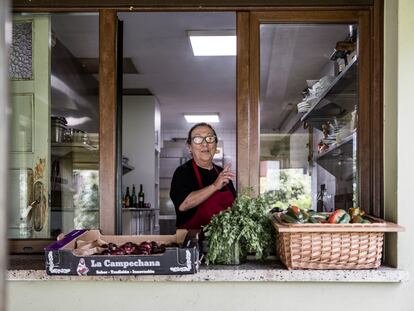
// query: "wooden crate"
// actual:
[[331, 246]]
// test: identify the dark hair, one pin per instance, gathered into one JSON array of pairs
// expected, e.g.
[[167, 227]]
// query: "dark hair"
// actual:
[[197, 125]]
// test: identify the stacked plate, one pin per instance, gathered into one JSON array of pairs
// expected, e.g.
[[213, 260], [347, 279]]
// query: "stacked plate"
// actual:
[[326, 81], [314, 91], [329, 140], [304, 106]]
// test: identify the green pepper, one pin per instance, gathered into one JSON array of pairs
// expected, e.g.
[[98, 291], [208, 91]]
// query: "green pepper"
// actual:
[[289, 219], [344, 219]]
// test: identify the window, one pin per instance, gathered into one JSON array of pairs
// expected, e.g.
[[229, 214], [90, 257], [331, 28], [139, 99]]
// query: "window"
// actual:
[[308, 114], [314, 111], [168, 82]]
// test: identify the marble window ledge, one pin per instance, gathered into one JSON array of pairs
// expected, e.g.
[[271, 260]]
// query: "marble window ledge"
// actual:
[[252, 271]]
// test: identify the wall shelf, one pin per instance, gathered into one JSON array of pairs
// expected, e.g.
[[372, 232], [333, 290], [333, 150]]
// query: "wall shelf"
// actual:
[[344, 148], [342, 90], [339, 158], [126, 168], [62, 149]]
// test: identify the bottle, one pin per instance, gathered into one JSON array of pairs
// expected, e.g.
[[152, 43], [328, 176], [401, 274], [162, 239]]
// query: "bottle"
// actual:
[[133, 197], [320, 202], [140, 197], [127, 198], [324, 201]]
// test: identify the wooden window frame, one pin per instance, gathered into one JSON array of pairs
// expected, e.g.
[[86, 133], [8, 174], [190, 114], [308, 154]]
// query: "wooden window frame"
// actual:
[[369, 12]]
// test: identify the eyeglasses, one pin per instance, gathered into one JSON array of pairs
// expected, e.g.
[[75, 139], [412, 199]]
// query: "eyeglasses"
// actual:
[[198, 140]]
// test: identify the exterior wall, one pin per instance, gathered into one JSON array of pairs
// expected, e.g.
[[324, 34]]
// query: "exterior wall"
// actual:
[[4, 12], [390, 121], [399, 64], [405, 148]]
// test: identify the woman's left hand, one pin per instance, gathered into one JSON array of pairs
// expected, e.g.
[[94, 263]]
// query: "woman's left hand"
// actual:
[[224, 177]]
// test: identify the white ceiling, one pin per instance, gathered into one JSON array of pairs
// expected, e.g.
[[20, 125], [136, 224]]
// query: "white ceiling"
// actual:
[[290, 54], [161, 51]]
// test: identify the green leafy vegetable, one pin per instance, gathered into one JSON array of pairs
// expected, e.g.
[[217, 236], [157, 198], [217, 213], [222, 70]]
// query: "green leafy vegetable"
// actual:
[[247, 222]]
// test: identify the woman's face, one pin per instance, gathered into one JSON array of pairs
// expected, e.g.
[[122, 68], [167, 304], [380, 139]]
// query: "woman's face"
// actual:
[[202, 153]]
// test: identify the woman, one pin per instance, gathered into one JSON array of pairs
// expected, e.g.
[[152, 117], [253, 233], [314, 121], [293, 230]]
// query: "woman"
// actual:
[[199, 188]]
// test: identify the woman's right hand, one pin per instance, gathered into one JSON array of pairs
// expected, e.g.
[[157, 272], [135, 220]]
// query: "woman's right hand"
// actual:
[[224, 177], [197, 197]]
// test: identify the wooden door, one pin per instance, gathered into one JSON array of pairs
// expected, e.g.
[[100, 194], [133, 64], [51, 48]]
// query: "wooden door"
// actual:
[[29, 74]]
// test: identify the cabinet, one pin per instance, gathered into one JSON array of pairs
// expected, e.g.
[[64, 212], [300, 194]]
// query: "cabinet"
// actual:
[[331, 121], [141, 145], [139, 221]]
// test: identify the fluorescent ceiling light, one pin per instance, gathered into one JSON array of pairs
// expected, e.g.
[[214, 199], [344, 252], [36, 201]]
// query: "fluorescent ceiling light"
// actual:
[[197, 118], [213, 43], [72, 121]]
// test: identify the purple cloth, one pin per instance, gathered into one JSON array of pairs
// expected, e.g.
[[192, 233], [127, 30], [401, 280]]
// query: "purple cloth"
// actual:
[[66, 239]]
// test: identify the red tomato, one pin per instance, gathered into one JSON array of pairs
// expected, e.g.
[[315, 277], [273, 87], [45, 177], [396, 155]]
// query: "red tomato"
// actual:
[[335, 216]]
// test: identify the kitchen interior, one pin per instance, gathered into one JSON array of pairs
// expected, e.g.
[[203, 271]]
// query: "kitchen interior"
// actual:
[[308, 113]]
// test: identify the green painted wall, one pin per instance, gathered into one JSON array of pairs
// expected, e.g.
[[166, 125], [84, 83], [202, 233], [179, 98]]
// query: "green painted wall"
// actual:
[[405, 148], [399, 81]]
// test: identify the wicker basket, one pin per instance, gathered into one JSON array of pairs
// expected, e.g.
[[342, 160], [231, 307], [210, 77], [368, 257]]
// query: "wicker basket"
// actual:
[[331, 246]]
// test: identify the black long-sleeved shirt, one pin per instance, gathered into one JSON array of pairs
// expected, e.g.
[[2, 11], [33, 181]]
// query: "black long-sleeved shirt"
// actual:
[[184, 182]]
